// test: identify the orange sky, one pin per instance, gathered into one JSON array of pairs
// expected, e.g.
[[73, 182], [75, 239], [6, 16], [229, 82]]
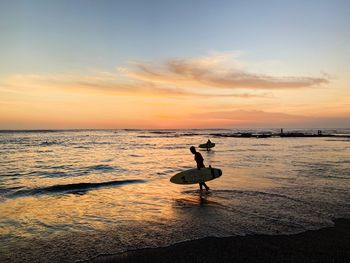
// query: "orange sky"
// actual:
[[211, 91]]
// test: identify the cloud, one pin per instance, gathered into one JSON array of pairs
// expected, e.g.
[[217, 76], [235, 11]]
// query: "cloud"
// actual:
[[108, 84], [215, 72], [157, 90], [211, 76]]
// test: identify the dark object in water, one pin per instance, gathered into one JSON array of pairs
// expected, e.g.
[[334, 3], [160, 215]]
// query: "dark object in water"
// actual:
[[319, 134], [72, 188], [263, 136]]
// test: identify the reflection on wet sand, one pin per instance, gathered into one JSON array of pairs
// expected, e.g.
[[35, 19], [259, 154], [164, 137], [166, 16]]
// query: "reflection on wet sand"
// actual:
[[197, 198]]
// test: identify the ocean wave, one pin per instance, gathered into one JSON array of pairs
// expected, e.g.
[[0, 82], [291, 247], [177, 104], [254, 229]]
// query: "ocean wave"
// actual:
[[65, 171], [169, 135], [135, 155], [81, 147], [107, 160], [29, 131], [72, 188], [174, 146], [49, 143], [101, 167], [188, 134], [162, 132], [337, 140], [172, 171]]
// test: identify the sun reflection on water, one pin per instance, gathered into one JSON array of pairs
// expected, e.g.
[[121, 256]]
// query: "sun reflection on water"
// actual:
[[54, 187]]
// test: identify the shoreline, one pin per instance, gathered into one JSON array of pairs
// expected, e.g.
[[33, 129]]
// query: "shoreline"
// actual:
[[330, 244]]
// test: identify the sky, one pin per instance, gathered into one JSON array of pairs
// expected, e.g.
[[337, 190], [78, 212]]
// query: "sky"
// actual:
[[174, 64]]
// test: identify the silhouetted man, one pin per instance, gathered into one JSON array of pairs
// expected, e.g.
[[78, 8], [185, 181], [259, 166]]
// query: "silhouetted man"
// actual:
[[208, 143], [200, 164]]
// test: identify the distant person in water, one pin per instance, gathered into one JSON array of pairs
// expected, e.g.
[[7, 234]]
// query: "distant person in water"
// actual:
[[200, 164], [208, 143]]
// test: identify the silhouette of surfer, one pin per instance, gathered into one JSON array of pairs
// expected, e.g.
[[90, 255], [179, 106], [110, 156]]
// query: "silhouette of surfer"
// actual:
[[208, 143], [200, 164]]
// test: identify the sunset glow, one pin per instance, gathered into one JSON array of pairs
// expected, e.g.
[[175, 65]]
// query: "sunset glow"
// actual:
[[163, 70]]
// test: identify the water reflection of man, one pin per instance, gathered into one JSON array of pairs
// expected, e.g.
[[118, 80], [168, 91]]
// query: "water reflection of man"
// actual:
[[200, 164]]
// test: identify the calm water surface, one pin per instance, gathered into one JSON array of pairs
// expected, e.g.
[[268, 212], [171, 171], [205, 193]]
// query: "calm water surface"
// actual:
[[71, 195]]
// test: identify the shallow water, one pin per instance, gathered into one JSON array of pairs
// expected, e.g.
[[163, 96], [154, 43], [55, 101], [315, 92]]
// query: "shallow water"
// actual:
[[71, 195]]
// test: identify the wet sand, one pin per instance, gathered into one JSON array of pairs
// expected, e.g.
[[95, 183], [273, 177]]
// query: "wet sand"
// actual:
[[330, 244]]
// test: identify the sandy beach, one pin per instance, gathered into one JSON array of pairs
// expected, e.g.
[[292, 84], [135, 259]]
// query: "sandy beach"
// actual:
[[329, 244]]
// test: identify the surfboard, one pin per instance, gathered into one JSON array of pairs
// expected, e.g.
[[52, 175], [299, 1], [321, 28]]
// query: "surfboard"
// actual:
[[195, 176], [206, 146]]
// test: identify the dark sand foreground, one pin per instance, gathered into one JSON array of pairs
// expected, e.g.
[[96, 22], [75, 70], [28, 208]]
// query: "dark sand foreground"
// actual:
[[325, 245]]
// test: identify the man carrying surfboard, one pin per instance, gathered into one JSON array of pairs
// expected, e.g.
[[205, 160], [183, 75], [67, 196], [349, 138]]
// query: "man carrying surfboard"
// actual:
[[208, 144], [200, 164]]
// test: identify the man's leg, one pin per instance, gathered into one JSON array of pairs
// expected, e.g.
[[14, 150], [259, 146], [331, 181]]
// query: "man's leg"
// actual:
[[200, 186], [206, 187]]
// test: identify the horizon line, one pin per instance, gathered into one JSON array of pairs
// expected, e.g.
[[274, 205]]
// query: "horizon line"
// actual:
[[218, 128]]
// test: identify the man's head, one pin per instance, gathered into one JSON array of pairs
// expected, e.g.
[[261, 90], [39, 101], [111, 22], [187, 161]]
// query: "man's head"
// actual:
[[193, 149]]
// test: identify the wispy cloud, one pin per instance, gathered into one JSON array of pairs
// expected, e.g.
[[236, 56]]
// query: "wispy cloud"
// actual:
[[215, 72], [152, 89], [219, 75], [111, 85]]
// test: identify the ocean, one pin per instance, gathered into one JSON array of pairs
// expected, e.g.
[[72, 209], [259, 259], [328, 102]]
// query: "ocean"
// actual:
[[70, 195]]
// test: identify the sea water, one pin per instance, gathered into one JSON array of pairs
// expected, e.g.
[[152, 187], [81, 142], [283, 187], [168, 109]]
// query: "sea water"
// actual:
[[72, 195]]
